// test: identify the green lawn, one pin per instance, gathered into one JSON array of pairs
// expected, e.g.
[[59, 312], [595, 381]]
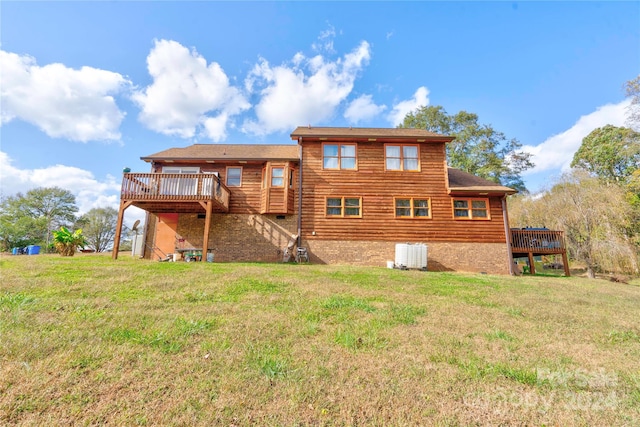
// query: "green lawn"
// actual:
[[86, 340]]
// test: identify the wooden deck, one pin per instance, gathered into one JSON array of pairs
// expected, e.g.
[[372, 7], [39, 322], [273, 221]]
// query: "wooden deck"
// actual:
[[530, 242], [176, 193], [167, 192]]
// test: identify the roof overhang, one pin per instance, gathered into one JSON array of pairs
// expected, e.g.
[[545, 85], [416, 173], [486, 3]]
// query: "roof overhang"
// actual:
[[214, 160], [355, 134], [482, 192]]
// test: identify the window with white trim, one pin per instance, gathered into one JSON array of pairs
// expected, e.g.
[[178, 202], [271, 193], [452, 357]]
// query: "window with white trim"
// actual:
[[343, 207], [234, 176], [180, 169], [339, 156], [477, 209], [401, 157], [413, 207], [179, 186]]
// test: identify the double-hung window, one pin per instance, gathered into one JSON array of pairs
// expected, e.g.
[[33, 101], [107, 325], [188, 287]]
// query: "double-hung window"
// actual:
[[471, 209], [413, 207], [343, 207], [277, 177], [339, 156], [234, 176], [402, 157]]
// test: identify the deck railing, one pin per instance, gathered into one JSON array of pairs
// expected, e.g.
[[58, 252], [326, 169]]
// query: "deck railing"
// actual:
[[537, 241], [174, 187]]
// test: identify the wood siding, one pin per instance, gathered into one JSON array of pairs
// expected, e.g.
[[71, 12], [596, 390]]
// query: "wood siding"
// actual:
[[378, 188], [278, 200], [249, 198]]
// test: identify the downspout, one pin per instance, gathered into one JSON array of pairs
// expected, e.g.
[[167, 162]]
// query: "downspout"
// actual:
[[300, 192], [507, 232]]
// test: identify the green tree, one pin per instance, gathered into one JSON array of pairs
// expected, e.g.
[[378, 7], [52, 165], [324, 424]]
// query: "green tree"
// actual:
[[99, 227], [478, 149], [610, 153], [44, 209], [21, 231]]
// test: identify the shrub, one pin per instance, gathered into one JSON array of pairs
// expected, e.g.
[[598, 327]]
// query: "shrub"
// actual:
[[66, 242]]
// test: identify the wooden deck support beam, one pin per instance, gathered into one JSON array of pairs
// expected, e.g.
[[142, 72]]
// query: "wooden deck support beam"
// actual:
[[565, 263], [532, 266], [207, 226], [116, 240]]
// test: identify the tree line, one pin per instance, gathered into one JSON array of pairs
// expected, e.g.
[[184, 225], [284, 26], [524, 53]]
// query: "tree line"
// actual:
[[31, 219], [597, 203]]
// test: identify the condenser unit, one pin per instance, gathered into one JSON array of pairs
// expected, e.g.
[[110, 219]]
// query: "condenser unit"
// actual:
[[411, 255]]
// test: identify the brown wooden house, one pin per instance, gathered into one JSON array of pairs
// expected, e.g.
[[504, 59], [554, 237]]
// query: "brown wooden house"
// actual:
[[348, 195]]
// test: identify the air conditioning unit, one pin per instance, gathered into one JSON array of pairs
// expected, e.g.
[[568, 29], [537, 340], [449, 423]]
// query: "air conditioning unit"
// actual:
[[410, 255]]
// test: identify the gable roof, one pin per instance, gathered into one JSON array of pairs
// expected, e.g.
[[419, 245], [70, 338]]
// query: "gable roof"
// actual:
[[206, 152], [463, 182], [353, 132]]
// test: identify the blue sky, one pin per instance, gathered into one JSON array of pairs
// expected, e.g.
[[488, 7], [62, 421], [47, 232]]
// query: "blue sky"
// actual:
[[89, 87]]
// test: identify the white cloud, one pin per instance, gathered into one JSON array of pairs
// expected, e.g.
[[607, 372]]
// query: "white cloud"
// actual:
[[61, 101], [325, 40], [363, 108], [402, 108], [291, 98], [186, 94], [557, 151], [90, 192]]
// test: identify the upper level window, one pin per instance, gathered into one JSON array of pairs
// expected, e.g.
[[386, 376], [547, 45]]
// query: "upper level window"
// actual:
[[471, 209], [401, 157], [413, 207], [339, 156], [344, 207], [234, 176], [277, 177], [183, 169]]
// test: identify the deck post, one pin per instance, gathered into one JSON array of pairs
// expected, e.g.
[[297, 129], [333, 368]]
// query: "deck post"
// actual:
[[565, 263], [532, 266], [116, 240], [207, 226]]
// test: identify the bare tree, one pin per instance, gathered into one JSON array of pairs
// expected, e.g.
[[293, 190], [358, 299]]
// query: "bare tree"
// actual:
[[594, 215], [632, 89], [99, 227]]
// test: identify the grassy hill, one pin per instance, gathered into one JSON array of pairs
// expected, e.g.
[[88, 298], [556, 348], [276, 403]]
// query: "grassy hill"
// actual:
[[88, 340]]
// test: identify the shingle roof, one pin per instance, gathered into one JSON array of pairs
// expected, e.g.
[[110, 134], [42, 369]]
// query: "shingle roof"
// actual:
[[228, 152], [352, 132], [463, 181]]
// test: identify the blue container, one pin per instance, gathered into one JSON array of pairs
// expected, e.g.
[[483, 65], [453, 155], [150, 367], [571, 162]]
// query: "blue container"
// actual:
[[14, 251], [33, 250]]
